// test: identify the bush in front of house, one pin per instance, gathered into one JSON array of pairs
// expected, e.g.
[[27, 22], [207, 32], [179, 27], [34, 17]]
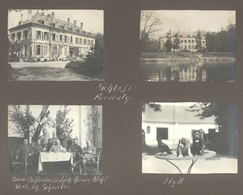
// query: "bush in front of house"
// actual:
[[86, 68], [12, 74]]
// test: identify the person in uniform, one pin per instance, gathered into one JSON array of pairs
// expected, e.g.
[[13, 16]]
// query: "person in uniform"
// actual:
[[52, 141], [76, 152], [89, 153], [57, 147]]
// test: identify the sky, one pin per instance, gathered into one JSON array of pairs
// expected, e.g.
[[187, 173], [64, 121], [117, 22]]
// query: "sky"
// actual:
[[192, 20], [93, 20]]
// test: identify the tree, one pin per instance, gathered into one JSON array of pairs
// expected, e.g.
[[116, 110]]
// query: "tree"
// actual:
[[222, 41], [226, 118], [62, 122], [92, 122], [198, 41], [15, 51], [176, 41], [22, 120], [149, 25], [154, 106], [168, 44], [96, 54]]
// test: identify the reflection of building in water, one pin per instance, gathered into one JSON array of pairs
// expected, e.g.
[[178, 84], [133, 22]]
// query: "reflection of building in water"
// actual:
[[187, 40], [44, 36], [178, 73]]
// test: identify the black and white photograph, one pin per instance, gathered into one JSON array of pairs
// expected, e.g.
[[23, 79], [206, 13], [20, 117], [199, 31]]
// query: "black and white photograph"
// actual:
[[55, 45], [189, 138], [187, 45], [55, 140]]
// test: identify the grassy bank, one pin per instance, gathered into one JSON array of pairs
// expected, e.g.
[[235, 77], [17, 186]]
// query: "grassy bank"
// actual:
[[185, 54]]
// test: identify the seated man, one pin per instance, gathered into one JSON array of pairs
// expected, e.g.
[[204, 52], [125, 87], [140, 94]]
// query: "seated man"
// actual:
[[57, 147], [76, 152], [89, 154], [67, 140], [52, 141]]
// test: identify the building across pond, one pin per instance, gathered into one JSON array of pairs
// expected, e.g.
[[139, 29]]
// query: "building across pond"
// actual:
[[44, 37], [187, 41]]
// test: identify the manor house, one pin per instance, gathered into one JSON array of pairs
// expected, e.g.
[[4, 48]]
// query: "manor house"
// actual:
[[187, 40], [46, 37]]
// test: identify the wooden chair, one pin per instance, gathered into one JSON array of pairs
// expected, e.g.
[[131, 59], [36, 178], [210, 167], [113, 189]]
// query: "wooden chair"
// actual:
[[18, 167], [94, 165]]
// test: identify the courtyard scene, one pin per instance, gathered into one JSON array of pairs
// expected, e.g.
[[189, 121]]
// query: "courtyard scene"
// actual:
[[55, 45], [166, 125], [187, 45], [54, 140]]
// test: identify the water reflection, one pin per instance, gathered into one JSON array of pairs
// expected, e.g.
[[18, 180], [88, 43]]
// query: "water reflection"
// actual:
[[187, 71]]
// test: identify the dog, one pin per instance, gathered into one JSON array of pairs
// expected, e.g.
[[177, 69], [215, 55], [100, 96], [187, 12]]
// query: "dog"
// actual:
[[198, 139], [163, 147], [184, 147]]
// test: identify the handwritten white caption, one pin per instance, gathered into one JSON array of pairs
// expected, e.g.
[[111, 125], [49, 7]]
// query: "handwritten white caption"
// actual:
[[172, 182], [36, 183], [114, 92]]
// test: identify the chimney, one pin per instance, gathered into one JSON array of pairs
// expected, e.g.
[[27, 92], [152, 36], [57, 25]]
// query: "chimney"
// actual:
[[75, 23], [53, 14], [68, 21], [29, 14], [81, 25], [21, 19]]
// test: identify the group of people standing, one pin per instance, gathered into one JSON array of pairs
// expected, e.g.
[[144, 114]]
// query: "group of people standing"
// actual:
[[46, 144]]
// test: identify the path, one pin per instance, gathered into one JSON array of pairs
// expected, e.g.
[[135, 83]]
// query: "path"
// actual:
[[47, 71]]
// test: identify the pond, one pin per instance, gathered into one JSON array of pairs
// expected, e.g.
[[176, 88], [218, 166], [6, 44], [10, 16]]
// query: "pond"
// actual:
[[187, 71]]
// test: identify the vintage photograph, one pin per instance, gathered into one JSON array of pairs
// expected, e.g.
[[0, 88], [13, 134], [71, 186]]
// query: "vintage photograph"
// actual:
[[55, 139], [187, 45], [189, 138], [55, 45]]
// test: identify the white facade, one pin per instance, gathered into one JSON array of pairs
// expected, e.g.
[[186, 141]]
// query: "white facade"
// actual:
[[52, 39], [172, 123], [187, 40]]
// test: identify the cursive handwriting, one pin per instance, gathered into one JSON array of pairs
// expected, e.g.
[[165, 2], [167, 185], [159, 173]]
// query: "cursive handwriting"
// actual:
[[114, 92], [38, 183], [172, 182]]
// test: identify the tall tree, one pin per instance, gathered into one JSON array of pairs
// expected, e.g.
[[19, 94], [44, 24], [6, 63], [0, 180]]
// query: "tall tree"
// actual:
[[226, 118], [198, 41], [176, 41], [92, 122], [149, 25], [22, 120], [63, 123]]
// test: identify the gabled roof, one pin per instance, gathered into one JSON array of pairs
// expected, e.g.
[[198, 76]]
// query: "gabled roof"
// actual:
[[49, 21], [183, 34]]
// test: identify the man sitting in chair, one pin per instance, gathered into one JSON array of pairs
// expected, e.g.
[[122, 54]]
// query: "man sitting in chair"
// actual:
[[89, 154], [57, 147], [76, 152], [23, 151], [52, 141]]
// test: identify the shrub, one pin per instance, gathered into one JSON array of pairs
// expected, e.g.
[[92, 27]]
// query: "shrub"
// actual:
[[12, 74], [86, 68]]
